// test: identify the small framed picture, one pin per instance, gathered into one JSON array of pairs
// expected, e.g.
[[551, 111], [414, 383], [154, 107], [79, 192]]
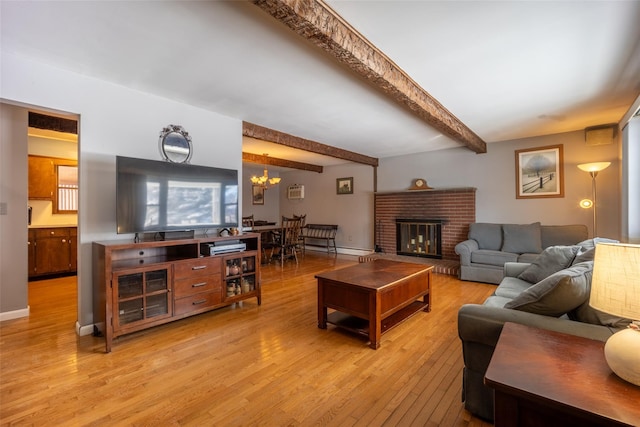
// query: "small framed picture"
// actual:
[[344, 185], [257, 195], [539, 172]]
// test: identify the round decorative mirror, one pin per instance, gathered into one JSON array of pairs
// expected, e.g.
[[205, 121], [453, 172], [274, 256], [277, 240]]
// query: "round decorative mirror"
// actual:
[[175, 144]]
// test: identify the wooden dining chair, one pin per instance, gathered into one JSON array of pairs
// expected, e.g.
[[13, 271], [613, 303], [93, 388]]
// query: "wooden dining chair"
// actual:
[[289, 239], [303, 221]]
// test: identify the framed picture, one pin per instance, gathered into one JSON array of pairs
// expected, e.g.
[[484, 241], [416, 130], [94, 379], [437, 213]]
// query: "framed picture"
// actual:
[[257, 194], [539, 172], [344, 185]]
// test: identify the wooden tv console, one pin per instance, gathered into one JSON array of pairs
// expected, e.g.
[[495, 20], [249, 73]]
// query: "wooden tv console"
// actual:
[[145, 284]]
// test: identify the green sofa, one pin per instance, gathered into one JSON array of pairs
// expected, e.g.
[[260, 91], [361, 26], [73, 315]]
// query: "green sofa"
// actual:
[[490, 246], [555, 296]]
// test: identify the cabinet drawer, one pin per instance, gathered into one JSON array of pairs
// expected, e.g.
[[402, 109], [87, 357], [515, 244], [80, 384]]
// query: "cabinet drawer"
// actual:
[[197, 302], [199, 267], [43, 233], [195, 285]]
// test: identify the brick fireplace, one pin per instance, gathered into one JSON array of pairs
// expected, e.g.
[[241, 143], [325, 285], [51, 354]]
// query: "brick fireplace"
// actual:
[[454, 207]]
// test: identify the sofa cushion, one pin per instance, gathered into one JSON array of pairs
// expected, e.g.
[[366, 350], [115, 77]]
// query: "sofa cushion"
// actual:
[[521, 238], [528, 258], [551, 260], [496, 301], [557, 294], [485, 256], [488, 236], [511, 287]]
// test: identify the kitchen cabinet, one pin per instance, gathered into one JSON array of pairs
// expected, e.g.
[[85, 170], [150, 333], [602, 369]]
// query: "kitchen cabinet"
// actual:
[[42, 180], [52, 251]]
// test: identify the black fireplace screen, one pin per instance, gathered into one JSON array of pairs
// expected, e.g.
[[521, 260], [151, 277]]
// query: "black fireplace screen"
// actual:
[[419, 237]]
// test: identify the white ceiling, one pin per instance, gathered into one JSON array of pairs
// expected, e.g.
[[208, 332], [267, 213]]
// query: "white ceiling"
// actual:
[[507, 69]]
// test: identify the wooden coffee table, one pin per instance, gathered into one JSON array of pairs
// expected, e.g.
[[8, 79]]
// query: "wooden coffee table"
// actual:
[[546, 378], [373, 297]]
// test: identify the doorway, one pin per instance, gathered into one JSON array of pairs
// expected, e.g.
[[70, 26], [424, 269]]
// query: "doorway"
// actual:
[[53, 188]]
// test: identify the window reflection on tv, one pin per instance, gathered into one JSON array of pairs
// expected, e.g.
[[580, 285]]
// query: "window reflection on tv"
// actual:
[[161, 196]]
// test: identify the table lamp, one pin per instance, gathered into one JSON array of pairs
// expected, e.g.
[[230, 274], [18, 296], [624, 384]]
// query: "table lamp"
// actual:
[[615, 289]]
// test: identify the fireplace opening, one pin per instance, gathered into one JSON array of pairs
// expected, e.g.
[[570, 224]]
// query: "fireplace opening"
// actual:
[[419, 237]]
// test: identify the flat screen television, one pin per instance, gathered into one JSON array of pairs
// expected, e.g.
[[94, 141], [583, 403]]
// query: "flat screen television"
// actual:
[[158, 196]]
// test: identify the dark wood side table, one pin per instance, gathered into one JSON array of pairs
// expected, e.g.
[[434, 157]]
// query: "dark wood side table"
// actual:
[[545, 378]]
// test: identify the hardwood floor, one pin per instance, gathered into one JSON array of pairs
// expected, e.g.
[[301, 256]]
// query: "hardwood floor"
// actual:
[[246, 365]]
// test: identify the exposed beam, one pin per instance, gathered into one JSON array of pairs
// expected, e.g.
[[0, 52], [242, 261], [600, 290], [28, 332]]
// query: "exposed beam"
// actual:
[[273, 161], [317, 22], [277, 137]]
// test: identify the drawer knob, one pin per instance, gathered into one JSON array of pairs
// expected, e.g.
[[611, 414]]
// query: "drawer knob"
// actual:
[[199, 267], [201, 301], [197, 285]]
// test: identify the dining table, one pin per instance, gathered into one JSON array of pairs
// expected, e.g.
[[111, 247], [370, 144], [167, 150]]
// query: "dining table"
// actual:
[[268, 235]]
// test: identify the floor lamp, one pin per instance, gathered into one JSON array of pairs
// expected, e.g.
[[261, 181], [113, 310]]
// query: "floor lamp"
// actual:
[[593, 169]]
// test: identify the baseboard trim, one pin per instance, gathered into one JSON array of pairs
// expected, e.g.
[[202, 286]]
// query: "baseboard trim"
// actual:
[[15, 314], [344, 251], [84, 330]]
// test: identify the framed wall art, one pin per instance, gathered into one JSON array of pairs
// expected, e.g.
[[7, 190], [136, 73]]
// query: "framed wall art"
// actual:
[[539, 172], [257, 194], [344, 185]]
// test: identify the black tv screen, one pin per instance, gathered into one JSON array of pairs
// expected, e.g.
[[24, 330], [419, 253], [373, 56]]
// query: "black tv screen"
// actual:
[[156, 196]]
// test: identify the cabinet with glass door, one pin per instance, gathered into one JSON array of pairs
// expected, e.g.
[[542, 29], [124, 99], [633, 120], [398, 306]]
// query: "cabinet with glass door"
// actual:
[[240, 276], [142, 296]]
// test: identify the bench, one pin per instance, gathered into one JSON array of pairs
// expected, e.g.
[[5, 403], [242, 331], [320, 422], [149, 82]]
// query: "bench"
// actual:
[[325, 232]]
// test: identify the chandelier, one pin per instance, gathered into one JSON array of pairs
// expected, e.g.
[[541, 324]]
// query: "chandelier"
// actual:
[[264, 179]]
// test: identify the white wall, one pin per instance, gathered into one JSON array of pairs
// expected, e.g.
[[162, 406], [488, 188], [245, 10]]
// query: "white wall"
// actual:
[[353, 213], [113, 120], [13, 213], [493, 174]]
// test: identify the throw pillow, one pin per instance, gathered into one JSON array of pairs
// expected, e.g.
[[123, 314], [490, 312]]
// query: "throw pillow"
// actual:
[[488, 236], [551, 260], [587, 314], [584, 255], [591, 243], [557, 294], [522, 238], [588, 249]]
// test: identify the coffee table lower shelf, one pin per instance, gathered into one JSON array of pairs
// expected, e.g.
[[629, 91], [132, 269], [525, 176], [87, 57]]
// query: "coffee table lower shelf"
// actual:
[[361, 326]]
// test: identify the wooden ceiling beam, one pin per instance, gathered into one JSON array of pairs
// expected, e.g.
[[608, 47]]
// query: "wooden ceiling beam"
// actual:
[[277, 137], [273, 161], [318, 23]]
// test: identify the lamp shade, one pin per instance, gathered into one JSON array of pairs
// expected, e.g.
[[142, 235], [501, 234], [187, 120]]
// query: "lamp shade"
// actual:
[[594, 167], [615, 285]]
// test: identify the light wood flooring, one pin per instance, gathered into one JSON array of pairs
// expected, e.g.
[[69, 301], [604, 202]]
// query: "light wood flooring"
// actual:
[[247, 365]]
